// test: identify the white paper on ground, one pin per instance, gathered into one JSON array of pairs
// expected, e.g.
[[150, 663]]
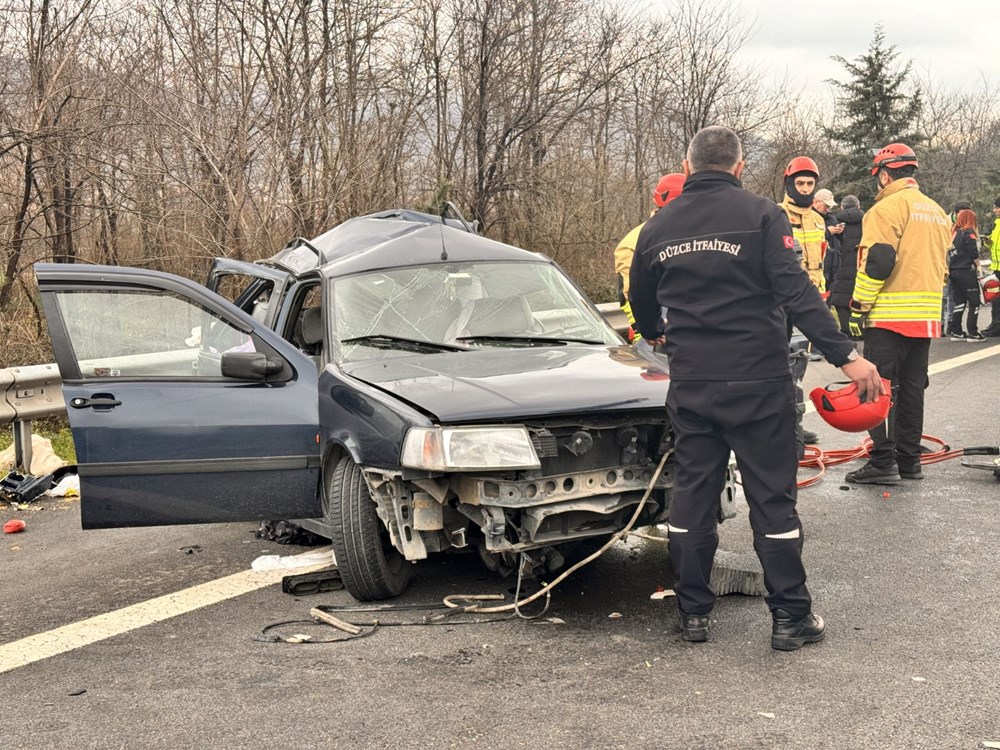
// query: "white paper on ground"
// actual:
[[308, 560]]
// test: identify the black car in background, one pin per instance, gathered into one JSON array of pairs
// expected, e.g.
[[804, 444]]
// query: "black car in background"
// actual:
[[400, 384]]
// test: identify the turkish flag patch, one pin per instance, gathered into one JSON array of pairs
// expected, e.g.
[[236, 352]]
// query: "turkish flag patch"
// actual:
[[789, 241]]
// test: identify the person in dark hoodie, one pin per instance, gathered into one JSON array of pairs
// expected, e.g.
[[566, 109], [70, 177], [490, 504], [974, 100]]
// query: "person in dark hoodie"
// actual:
[[842, 287], [963, 263], [823, 204]]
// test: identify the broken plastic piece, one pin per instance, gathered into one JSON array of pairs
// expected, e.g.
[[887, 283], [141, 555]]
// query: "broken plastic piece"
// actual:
[[13, 526], [661, 593], [23, 488], [320, 581]]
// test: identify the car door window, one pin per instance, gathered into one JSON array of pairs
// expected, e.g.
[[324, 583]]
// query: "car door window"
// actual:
[[249, 293], [137, 333]]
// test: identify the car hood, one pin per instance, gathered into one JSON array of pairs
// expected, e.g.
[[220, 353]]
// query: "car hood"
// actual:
[[503, 383]]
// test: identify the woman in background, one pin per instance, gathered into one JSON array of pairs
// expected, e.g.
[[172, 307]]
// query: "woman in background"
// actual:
[[963, 278]]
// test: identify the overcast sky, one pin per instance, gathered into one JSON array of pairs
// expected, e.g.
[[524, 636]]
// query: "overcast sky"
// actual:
[[957, 42]]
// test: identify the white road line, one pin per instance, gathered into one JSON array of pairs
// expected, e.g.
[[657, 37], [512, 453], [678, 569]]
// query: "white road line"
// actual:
[[945, 365], [78, 634], [964, 359]]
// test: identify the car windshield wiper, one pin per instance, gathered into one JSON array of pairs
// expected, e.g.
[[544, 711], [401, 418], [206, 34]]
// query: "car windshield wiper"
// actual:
[[544, 340], [385, 341]]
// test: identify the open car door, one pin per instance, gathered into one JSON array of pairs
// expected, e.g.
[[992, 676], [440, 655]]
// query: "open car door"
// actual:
[[184, 409]]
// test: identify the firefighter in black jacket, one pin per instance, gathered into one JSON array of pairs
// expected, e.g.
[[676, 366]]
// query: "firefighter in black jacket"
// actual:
[[718, 258]]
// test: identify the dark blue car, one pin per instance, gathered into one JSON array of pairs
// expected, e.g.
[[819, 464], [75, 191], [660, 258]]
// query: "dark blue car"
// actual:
[[399, 384]]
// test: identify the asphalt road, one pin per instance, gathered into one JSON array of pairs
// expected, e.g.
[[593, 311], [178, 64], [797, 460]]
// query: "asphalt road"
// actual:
[[908, 585]]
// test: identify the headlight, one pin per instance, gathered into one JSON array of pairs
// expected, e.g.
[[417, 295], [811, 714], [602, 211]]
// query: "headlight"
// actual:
[[468, 448]]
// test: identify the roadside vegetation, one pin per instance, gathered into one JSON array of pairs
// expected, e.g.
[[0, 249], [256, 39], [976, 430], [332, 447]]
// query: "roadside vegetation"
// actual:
[[55, 430], [164, 133]]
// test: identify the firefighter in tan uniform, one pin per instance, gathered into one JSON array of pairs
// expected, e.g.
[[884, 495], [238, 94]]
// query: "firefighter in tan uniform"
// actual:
[[808, 225], [897, 307], [809, 234], [668, 188]]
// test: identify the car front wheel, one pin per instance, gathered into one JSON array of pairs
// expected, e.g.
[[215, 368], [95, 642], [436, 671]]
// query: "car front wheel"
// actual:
[[371, 568]]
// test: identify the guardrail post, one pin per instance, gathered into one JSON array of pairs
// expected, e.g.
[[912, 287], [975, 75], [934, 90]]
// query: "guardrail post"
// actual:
[[22, 446]]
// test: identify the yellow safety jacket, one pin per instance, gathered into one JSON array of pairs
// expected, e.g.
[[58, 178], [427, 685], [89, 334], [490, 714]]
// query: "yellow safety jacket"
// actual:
[[995, 248], [908, 300], [809, 228], [623, 262]]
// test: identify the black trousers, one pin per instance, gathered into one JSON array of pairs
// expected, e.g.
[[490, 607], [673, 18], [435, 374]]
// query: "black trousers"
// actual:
[[756, 420], [965, 292], [903, 361]]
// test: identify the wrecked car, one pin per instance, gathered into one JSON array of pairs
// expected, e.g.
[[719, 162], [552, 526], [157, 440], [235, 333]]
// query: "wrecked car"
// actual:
[[398, 384]]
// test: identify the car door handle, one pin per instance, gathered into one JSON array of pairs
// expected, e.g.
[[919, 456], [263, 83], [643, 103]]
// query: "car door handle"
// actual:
[[105, 401]]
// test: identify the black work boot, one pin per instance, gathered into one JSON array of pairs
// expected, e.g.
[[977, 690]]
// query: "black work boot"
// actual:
[[790, 633], [810, 437], [869, 474], [694, 628], [910, 472]]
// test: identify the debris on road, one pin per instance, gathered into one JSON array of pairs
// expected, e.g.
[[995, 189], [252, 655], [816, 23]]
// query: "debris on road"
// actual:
[[277, 562], [317, 582], [23, 488], [68, 486], [286, 532], [737, 573], [13, 526], [765, 714]]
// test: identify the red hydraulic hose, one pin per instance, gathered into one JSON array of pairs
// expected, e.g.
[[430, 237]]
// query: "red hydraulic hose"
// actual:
[[816, 458]]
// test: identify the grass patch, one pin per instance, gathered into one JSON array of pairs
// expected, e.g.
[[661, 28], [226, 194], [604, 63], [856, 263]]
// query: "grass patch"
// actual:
[[59, 434]]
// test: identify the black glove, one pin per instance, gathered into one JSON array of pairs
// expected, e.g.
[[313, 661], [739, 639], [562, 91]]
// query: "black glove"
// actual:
[[856, 323]]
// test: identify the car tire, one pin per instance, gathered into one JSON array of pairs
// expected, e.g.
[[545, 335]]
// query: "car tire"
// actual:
[[371, 568]]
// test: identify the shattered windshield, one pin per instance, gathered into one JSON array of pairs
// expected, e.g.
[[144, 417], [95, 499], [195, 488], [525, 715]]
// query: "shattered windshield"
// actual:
[[457, 306]]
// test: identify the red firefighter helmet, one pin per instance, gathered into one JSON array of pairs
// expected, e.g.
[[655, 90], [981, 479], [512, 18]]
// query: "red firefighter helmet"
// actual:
[[991, 288], [894, 155], [801, 164], [840, 407], [668, 188]]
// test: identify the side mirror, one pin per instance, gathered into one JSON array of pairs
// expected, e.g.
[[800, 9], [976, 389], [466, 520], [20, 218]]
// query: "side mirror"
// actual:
[[249, 366]]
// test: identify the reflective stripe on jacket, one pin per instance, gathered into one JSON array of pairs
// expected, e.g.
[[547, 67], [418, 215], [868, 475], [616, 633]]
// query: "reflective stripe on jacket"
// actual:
[[809, 228], [908, 301]]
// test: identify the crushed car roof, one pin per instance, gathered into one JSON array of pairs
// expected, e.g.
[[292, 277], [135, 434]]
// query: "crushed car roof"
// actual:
[[399, 237]]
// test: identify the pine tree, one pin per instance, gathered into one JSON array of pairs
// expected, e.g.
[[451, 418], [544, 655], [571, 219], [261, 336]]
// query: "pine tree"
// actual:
[[877, 107]]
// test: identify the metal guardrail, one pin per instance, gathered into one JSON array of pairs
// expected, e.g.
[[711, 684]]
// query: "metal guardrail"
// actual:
[[35, 391], [28, 393], [614, 314]]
